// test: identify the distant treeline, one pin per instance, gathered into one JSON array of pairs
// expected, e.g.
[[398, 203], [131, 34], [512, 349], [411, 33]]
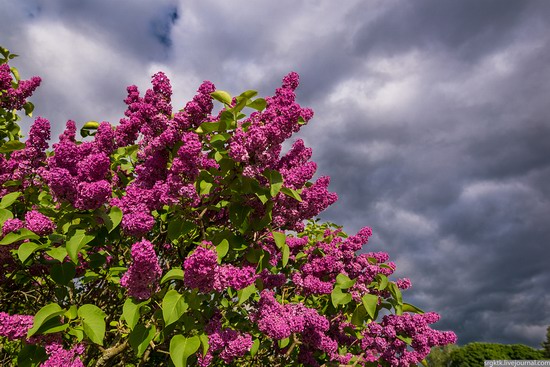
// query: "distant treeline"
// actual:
[[474, 354]]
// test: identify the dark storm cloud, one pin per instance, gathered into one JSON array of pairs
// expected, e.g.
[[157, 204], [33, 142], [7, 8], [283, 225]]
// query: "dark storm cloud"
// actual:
[[431, 117], [469, 28], [455, 184]]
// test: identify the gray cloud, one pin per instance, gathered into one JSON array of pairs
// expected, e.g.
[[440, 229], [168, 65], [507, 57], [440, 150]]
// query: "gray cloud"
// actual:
[[431, 118]]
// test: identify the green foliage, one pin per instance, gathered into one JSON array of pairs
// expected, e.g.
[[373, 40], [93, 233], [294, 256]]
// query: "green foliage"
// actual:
[[546, 344], [474, 354]]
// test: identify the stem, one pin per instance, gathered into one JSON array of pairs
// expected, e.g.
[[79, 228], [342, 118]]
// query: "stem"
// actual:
[[110, 353]]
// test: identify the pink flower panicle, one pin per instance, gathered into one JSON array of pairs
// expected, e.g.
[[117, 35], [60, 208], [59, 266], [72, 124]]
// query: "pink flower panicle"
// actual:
[[15, 98], [381, 340], [142, 277], [15, 326], [280, 321], [228, 344], [12, 225], [39, 223], [60, 357], [203, 272]]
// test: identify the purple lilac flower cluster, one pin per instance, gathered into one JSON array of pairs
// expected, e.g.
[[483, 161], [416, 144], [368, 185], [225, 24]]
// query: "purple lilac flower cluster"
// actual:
[[279, 321], [203, 272], [15, 326], [79, 173], [142, 277], [60, 357], [257, 143], [24, 165], [12, 225], [34, 221], [39, 223], [155, 184], [14, 98], [227, 343], [384, 340]]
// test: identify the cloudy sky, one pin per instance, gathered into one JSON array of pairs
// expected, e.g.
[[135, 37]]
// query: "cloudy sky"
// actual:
[[431, 117]]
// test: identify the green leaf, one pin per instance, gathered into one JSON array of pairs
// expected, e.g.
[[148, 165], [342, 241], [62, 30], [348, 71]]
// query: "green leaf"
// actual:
[[370, 301], [52, 326], [140, 337], [93, 321], [286, 254], [181, 348], [241, 103], [31, 356], [10, 198], [257, 104], [263, 197], [77, 332], [63, 273], [177, 228], [249, 94], [205, 345], [344, 281], [172, 274], [115, 214], [407, 307], [284, 342], [58, 253], [71, 313], [339, 298], [28, 107], [91, 125], [383, 282], [222, 96], [205, 187], [358, 316], [11, 146], [275, 182], [76, 242], [173, 306], [89, 128], [24, 234], [222, 249], [130, 311], [43, 315], [255, 347], [292, 193], [245, 293], [26, 249], [396, 293], [5, 214], [280, 239], [406, 339], [15, 73]]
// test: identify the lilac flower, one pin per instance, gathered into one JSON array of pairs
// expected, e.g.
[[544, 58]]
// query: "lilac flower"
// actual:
[[203, 272], [15, 98], [58, 356], [94, 167], [91, 195], [12, 225], [142, 277], [15, 326], [62, 184], [137, 223], [380, 340], [39, 223], [200, 268], [229, 343]]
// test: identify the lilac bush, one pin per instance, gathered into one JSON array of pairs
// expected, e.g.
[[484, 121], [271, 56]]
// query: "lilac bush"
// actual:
[[187, 237]]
